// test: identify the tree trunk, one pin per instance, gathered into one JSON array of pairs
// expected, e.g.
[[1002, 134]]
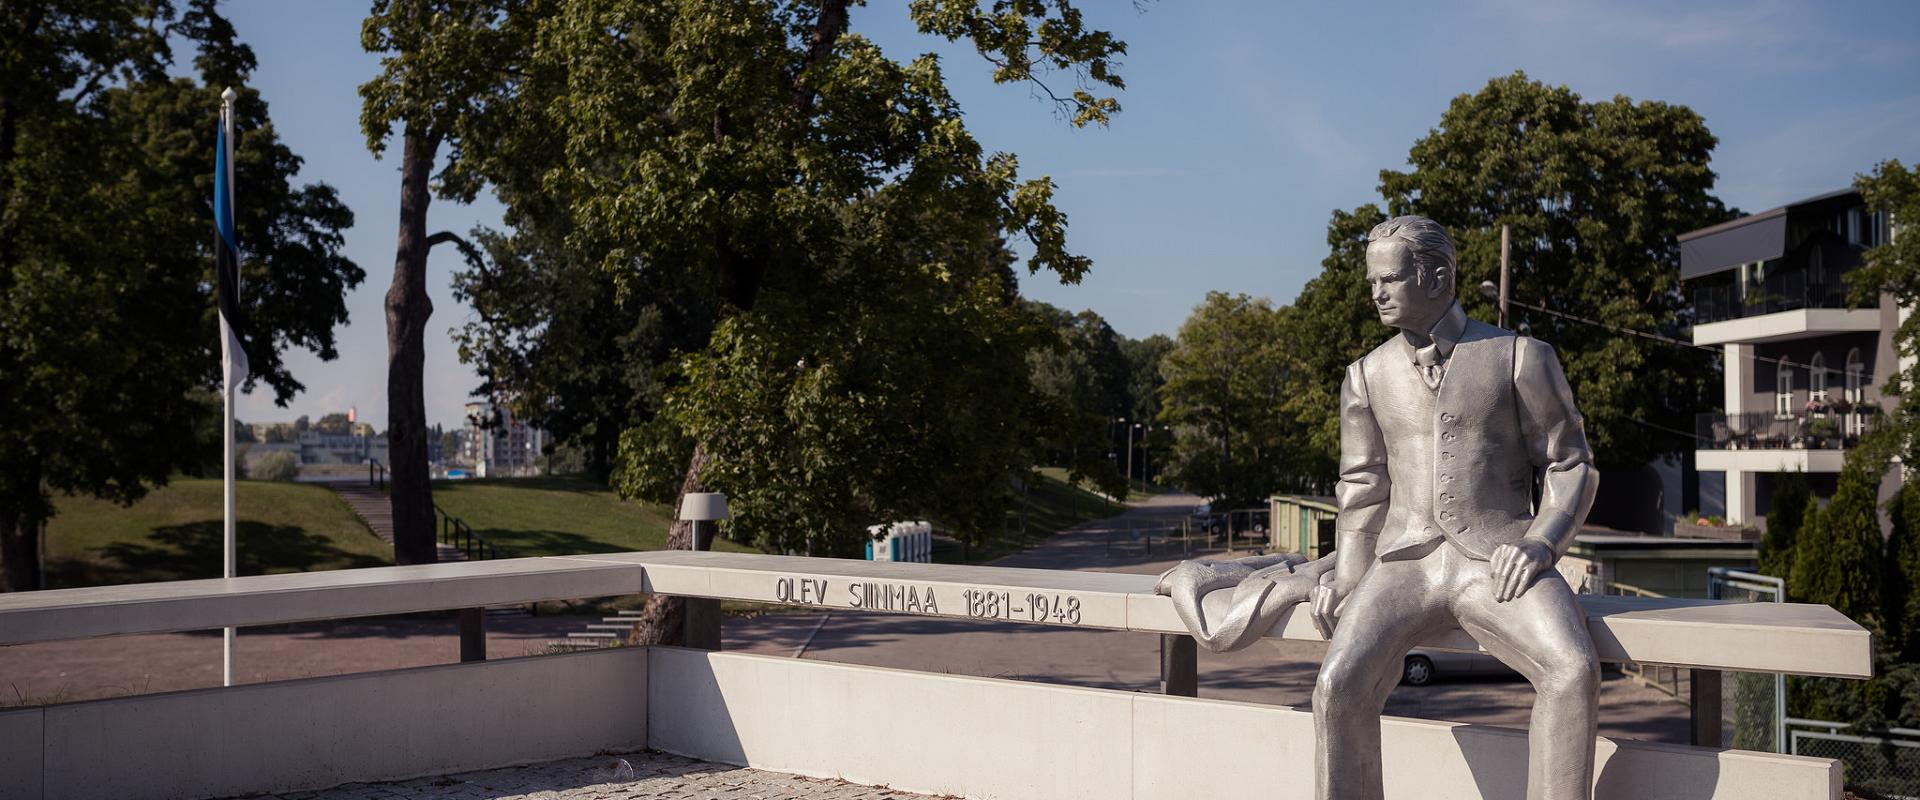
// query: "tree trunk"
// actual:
[[664, 618], [408, 309], [19, 553]]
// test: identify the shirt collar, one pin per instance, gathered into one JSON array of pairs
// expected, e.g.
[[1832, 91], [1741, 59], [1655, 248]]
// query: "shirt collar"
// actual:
[[1445, 334]]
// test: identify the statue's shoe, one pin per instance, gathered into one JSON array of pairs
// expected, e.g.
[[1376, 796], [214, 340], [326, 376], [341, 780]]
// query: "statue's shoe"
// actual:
[[1227, 605]]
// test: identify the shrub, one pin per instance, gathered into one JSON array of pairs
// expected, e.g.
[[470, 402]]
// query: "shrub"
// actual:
[[276, 466]]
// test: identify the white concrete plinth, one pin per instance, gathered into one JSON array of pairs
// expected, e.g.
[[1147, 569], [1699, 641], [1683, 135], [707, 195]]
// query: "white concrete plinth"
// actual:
[[1011, 740], [321, 732]]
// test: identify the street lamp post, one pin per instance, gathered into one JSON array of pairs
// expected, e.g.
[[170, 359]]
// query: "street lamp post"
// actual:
[[1144, 457], [1130, 430], [701, 620]]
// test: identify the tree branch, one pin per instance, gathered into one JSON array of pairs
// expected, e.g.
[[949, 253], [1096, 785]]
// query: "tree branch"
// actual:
[[467, 249], [826, 31]]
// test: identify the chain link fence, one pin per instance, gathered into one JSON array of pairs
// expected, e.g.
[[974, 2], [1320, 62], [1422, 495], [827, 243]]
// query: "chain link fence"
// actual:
[[1882, 764]]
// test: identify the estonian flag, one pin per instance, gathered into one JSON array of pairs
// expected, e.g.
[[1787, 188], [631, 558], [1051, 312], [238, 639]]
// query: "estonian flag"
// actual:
[[227, 255]]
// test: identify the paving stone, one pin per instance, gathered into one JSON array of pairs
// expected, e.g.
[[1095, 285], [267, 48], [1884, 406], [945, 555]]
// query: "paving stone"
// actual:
[[656, 776]]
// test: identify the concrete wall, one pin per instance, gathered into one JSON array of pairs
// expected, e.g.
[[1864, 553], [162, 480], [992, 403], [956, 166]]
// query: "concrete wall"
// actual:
[[985, 738], [320, 732]]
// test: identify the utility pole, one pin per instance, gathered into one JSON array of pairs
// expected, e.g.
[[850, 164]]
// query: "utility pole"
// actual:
[[1130, 430], [1505, 249], [1145, 459]]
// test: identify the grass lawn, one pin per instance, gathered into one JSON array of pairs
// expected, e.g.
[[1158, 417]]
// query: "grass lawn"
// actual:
[[1050, 505], [174, 533], [1135, 491], [558, 516]]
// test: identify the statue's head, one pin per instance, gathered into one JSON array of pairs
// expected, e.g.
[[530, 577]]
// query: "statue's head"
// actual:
[[1410, 272]]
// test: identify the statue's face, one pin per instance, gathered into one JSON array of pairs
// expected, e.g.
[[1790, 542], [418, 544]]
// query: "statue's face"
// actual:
[[1393, 282]]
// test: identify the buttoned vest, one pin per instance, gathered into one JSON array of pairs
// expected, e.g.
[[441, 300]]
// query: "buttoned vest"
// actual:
[[1456, 458]]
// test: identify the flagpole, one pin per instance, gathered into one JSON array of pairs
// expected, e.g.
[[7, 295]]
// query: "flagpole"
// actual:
[[226, 380]]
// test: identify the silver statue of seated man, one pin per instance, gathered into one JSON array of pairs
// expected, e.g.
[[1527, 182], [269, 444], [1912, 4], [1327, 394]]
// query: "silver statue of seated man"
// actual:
[[1444, 430]]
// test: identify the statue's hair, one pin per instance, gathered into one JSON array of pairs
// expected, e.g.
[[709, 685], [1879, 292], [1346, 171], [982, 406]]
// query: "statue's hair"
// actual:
[[1432, 248]]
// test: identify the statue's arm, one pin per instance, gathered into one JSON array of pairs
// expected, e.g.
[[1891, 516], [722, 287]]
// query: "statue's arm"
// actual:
[[1556, 440], [1364, 487]]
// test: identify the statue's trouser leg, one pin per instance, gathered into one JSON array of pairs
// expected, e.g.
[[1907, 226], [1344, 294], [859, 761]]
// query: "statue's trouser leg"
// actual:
[[1542, 634], [1396, 603]]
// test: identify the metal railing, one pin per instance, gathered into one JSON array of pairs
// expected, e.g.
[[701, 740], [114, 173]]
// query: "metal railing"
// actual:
[[1670, 681], [1765, 430], [455, 532], [1784, 290], [376, 474], [1231, 530]]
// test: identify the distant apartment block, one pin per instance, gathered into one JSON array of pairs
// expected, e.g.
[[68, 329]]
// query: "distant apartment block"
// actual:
[[1803, 368], [498, 445]]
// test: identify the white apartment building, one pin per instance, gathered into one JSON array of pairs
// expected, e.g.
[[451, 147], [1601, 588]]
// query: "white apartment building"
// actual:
[[1803, 368], [497, 445]]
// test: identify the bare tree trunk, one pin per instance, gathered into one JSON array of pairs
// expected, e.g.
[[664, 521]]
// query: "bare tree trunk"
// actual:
[[408, 309], [19, 553], [664, 617]]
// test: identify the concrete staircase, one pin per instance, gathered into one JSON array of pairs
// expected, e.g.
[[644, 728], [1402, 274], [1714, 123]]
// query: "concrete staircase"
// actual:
[[374, 508], [608, 632]]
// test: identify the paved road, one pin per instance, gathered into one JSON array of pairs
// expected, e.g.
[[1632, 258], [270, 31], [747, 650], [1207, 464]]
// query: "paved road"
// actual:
[[1271, 671]]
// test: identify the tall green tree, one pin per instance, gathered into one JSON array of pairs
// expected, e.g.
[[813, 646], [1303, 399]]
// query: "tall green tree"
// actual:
[[447, 69], [558, 340], [1334, 324], [1785, 517], [108, 331], [1840, 561], [1893, 268], [1596, 193], [1227, 380], [1143, 373], [785, 167]]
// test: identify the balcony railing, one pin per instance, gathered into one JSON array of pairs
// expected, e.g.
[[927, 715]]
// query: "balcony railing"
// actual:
[[1764, 430], [1787, 290]]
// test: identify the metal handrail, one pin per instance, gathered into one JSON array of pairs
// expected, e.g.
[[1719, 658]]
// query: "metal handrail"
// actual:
[[456, 532]]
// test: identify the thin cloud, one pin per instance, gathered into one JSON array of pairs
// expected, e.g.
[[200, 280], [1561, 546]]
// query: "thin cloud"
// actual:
[[1813, 153], [1773, 36], [1125, 172]]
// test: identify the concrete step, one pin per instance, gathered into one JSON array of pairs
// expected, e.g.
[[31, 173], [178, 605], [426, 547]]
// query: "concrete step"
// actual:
[[593, 635]]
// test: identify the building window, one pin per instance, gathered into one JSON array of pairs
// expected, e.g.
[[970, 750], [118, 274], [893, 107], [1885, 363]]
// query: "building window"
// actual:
[[1783, 391], [1856, 389], [1817, 378]]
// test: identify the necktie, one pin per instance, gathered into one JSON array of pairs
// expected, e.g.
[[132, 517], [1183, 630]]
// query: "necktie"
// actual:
[[1432, 366]]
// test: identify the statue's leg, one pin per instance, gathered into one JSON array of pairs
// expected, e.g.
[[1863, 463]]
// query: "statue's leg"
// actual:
[[1395, 603], [1542, 634]]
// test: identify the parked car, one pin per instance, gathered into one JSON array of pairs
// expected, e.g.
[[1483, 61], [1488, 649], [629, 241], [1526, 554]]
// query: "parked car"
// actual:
[[1204, 520], [1422, 666]]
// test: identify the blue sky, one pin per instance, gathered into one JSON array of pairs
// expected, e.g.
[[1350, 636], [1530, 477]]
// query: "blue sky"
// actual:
[[1244, 125]]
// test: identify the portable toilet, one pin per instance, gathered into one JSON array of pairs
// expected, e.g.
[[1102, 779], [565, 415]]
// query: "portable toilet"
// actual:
[[901, 541]]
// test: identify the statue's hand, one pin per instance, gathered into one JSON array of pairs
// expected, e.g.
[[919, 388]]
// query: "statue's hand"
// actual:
[[1514, 566], [1325, 602]]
